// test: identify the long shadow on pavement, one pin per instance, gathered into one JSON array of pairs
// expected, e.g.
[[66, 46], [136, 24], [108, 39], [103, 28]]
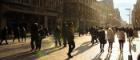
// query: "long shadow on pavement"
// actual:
[[31, 55], [97, 57], [84, 47], [121, 56], [108, 56]]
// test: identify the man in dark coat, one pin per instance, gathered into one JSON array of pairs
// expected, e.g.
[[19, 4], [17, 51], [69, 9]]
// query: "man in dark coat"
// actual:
[[64, 34], [93, 32], [34, 36], [23, 33], [57, 36], [70, 37], [16, 33], [41, 36], [130, 36], [4, 33], [102, 39]]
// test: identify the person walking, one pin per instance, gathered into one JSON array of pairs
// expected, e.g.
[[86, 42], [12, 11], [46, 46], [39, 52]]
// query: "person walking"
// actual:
[[110, 38], [130, 36], [92, 36], [71, 42], [16, 33], [4, 33], [34, 36], [121, 38], [41, 36], [23, 33], [57, 36], [102, 38], [64, 34]]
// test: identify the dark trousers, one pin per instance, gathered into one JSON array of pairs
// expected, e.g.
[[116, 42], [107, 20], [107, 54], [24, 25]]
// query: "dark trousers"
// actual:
[[94, 38], [34, 44], [102, 46], [39, 44], [16, 37], [57, 41], [64, 41], [71, 47], [4, 40]]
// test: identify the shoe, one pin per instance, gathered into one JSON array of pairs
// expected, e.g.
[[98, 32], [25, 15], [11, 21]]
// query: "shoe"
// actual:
[[69, 56], [102, 50], [7, 43], [64, 46], [32, 50]]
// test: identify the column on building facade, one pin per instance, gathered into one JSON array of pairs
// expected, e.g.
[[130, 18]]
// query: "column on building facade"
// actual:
[[45, 21], [2, 18]]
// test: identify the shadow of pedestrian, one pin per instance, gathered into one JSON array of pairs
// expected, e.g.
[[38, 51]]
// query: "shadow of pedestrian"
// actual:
[[19, 56], [121, 56], [84, 47], [28, 55], [97, 57], [51, 50], [108, 56]]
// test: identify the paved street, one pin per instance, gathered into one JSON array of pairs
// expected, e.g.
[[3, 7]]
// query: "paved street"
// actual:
[[83, 51]]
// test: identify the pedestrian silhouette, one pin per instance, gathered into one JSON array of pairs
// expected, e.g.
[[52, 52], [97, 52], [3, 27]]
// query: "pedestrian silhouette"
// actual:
[[57, 36], [71, 42], [16, 33], [110, 38], [102, 38], [121, 38], [23, 33], [3, 35], [34, 36], [64, 34]]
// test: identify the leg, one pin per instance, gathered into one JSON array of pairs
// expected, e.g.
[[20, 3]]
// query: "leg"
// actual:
[[103, 47], [40, 42], [122, 45], [25, 38], [37, 44], [64, 41], [92, 40], [6, 41], [59, 41], [100, 46], [32, 44], [1, 41], [56, 42], [14, 39], [71, 48], [18, 39], [111, 45], [69, 52]]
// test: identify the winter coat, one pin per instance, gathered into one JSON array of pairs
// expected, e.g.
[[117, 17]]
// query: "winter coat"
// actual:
[[121, 35], [110, 35], [102, 36]]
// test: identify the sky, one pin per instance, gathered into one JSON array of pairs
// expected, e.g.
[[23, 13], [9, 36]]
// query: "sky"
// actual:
[[123, 5]]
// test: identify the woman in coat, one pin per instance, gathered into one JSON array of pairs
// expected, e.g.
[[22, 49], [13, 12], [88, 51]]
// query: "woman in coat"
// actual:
[[110, 38], [121, 38]]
